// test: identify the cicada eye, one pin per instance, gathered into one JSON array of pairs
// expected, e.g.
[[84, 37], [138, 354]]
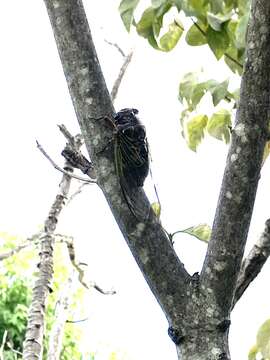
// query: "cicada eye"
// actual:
[[134, 111]]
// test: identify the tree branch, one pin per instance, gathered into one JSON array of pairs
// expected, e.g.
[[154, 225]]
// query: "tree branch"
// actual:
[[65, 172], [79, 268], [116, 46], [20, 247], [121, 74], [254, 262], [33, 344], [148, 242], [235, 205]]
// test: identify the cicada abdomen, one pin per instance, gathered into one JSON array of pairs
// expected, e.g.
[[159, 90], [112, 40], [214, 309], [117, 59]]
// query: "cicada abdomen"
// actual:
[[131, 158]]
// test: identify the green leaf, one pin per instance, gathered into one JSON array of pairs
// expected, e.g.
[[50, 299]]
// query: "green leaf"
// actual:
[[218, 41], [244, 6], [234, 58], [197, 94], [216, 20], [195, 36], [219, 125], [158, 17], [126, 9], [216, 6], [266, 152], [201, 232], [263, 339], [219, 92], [158, 3], [252, 353], [231, 28], [156, 208], [178, 4], [150, 24], [240, 32], [186, 87], [144, 26], [195, 131], [171, 38]]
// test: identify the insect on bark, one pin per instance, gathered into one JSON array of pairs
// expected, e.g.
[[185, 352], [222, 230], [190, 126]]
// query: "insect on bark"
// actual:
[[131, 156]]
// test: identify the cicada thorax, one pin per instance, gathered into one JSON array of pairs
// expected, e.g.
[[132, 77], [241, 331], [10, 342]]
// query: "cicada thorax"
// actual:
[[131, 157]]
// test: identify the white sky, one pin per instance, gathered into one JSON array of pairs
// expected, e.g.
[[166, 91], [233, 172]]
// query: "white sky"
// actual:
[[34, 98]]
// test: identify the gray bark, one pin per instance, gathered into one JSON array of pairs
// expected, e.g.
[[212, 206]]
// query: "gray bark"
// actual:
[[148, 242], [197, 307], [34, 336], [33, 344], [61, 314]]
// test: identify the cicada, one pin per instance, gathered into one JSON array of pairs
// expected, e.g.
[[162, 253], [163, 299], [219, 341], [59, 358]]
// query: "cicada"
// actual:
[[131, 154]]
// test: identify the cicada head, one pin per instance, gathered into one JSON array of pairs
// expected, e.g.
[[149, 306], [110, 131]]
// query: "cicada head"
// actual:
[[127, 116]]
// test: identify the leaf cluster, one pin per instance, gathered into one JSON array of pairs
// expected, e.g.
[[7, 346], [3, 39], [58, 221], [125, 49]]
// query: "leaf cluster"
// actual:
[[191, 92], [262, 346], [15, 298], [219, 24]]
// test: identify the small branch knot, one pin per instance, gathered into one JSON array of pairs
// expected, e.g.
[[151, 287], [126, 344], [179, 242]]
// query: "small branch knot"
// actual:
[[224, 325], [175, 335]]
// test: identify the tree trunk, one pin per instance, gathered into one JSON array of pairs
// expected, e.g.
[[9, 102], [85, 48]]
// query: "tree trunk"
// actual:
[[205, 346], [197, 307]]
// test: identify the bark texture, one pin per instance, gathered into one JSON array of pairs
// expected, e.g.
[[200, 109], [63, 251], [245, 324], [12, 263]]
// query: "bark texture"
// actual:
[[242, 172], [34, 337], [197, 307], [61, 314], [148, 242], [33, 344]]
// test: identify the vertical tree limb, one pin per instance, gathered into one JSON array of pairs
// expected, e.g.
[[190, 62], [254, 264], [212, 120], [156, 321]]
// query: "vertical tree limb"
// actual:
[[33, 344], [235, 205]]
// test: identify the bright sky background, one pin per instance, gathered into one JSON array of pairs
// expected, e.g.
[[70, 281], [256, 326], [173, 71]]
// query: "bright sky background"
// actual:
[[34, 98]]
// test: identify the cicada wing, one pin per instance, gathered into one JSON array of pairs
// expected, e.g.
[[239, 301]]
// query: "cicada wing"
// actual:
[[135, 199], [125, 172]]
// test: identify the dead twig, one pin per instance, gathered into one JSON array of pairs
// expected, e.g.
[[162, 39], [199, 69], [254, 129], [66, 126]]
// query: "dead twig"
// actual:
[[120, 76], [89, 181], [116, 46]]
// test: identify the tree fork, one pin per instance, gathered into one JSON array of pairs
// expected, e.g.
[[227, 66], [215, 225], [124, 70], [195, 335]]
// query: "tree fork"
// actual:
[[197, 308]]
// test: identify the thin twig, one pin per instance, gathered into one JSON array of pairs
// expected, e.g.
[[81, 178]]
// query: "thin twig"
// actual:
[[79, 267], [67, 134], [254, 262], [89, 181], [4, 339], [76, 321], [103, 292], [121, 74], [116, 46], [77, 192], [20, 247], [14, 350]]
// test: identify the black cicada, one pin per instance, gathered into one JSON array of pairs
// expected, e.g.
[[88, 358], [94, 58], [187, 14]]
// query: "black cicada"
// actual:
[[131, 155]]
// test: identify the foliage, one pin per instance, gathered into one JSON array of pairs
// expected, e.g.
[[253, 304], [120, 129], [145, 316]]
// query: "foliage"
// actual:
[[202, 232], [262, 346], [222, 26], [15, 289]]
